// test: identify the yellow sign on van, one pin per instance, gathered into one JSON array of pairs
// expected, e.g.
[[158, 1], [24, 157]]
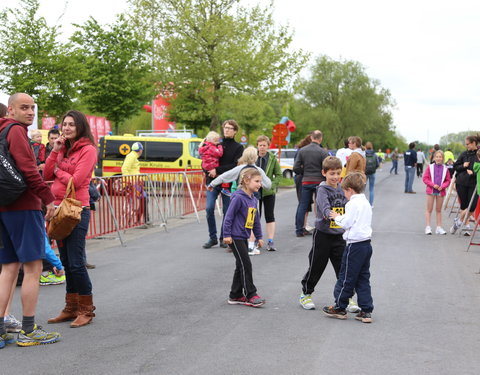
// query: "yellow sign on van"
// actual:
[[124, 149]]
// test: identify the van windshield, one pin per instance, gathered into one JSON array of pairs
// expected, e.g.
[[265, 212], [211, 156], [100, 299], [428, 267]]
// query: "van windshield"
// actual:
[[193, 149]]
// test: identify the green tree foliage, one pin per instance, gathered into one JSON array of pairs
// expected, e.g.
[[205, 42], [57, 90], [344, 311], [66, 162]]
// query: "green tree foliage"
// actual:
[[213, 50], [34, 62], [341, 100], [116, 80]]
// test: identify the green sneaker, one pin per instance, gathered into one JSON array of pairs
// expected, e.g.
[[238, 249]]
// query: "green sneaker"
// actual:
[[51, 279], [37, 337], [6, 339]]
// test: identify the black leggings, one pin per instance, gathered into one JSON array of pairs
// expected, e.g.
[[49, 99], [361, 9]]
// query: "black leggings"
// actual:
[[465, 195], [269, 208]]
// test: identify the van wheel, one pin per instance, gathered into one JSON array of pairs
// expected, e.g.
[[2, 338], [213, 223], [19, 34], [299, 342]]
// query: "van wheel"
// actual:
[[287, 174]]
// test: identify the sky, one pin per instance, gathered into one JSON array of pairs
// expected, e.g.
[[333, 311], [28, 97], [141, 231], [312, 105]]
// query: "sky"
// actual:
[[426, 52]]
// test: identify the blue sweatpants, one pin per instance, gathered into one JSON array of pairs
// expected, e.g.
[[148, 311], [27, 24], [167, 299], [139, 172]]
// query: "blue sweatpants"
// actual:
[[355, 276]]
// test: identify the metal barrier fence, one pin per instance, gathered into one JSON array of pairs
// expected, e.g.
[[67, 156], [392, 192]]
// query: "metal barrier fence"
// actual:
[[137, 200]]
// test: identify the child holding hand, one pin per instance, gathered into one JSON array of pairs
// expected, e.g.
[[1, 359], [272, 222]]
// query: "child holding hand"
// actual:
[[437, 178], [241, 218]]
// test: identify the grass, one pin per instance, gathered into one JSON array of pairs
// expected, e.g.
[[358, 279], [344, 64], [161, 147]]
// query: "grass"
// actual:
[[286, 182]]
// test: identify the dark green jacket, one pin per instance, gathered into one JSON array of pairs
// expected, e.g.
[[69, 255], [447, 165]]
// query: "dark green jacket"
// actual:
[[274, 173]]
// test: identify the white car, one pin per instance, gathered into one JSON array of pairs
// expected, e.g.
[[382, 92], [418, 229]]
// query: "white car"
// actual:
[[286, 161]]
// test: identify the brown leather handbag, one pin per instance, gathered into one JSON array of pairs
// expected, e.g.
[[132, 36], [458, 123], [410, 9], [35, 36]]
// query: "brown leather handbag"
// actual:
[[67, 215]]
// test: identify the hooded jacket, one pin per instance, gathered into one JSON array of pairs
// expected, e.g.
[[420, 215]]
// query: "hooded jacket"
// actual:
[[37, 191], [463, 178], [329, 199], [242, 217], [78, 163]]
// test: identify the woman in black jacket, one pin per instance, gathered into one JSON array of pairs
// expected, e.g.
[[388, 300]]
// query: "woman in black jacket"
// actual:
[[466, 181]]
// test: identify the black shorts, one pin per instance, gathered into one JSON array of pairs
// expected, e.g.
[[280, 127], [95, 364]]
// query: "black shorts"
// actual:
[[269, 207], [465, 195]]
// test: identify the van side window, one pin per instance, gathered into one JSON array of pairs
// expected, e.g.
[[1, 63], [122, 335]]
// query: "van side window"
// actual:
[[193, 149], [163, 151], [113, 149]]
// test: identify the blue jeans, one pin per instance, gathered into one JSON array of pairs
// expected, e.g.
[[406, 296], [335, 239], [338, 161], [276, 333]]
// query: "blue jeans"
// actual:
[[305, 199], [211, 199], [74, 259], [371, 187], [394, 166], [409, 177]]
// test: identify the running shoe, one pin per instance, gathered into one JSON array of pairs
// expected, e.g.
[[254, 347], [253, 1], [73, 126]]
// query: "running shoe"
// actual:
[[255, 301], [306, 301], [226, 192], [353, 307], [440, 230], [12, 324], [271, 246], [364, 317], [335, 312], [428, 229], [51, 279], [455, 226], [255, 251], [37, 337], [467, 229], [6, 339], [237, 301]]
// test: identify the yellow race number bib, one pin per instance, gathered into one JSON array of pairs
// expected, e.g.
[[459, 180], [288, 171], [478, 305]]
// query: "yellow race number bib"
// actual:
[[250, 217], [338, 210]]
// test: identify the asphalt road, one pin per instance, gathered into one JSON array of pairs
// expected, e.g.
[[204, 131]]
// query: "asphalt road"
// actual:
[[161, 305]]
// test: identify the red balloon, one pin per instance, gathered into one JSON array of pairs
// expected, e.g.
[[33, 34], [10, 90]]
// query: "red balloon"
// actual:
[[147, 108], [291, 126]]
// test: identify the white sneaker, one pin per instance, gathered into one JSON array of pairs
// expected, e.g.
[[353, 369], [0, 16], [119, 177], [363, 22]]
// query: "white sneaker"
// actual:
[[467, 229], [306, 301], [353, 307], [428, 230], [440, 230], [255, 251], [455, 226]]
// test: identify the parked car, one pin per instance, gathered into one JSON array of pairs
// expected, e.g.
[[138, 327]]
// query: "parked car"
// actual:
[[286, 161]]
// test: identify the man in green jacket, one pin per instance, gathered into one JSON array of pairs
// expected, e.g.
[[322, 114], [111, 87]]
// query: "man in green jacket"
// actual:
[[269, 163]]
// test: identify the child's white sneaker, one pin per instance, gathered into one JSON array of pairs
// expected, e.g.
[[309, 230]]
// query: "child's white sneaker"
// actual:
[[440, 230], [255, 251], [428, 230]]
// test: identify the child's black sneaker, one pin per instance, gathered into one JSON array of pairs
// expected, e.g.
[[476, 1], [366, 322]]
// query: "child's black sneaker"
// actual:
[[255, 301], [364, 317], [335, 312]]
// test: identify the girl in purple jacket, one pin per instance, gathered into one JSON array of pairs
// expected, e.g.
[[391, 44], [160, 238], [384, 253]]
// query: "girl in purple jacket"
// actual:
[[437, 179], [241, 218]]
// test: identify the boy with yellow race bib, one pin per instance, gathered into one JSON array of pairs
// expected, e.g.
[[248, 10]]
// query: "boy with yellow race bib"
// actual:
[[327, 243]]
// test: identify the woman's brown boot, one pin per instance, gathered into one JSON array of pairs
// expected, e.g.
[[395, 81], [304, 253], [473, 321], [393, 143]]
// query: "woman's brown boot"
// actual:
[[70, 311], [85, 312]]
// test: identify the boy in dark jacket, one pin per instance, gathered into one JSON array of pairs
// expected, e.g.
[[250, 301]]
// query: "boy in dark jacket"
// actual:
[[328, 243]]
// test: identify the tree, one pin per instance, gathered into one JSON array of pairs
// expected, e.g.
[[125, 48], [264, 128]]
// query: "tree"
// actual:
[[341, 100], [212, 49], [116, 80], [34, 62]]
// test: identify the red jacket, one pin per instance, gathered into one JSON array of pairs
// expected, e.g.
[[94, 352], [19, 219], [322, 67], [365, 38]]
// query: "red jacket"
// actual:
[[210, 154], [78, 163], [37, 191]]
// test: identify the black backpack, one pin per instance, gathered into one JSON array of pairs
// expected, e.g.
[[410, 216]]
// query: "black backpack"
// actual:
[[372, 163], [12, 182]]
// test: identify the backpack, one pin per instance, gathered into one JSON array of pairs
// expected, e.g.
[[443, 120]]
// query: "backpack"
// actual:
[[12, 182], [372, 163]]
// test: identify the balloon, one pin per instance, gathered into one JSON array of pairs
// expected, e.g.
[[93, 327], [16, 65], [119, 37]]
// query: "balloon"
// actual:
[[147, 108]]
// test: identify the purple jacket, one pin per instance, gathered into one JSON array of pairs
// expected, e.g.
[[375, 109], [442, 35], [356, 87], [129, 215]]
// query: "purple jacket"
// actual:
[[241, 217]]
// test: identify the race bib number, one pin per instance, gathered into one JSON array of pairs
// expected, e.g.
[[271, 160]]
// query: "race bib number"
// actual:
[[338, 210], [250, 217]]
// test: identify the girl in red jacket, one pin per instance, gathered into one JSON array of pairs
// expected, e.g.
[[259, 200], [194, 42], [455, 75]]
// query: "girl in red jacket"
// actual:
[[74, 155]]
